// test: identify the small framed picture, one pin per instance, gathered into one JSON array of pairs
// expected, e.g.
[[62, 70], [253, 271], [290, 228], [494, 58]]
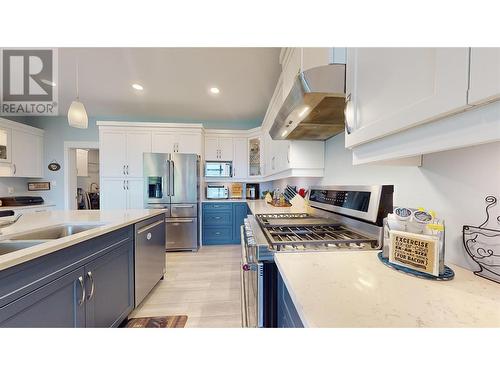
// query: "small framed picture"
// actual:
[[37, 186]]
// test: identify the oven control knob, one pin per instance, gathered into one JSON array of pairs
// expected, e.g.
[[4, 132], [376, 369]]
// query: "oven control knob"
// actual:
[[246, 267]]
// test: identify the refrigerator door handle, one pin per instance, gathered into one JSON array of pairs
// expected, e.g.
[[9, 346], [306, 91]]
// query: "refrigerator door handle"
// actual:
[[167, 178], [172, 173]]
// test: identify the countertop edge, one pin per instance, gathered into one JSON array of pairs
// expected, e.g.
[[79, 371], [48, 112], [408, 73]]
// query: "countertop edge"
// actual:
[[289, 288], [62, 243]]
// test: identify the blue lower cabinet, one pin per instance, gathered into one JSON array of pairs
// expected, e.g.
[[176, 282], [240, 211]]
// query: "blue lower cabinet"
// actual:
[[287, 313], [217, 235], [60, 303], [240, 212], [109, 288], [222, 221], [90, 284], [218, 218]]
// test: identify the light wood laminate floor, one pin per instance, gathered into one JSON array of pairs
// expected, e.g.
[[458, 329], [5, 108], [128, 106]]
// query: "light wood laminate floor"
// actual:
[[203, 285]]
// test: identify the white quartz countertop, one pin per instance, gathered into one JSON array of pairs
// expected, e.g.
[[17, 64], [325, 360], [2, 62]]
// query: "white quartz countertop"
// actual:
[[260, 206], [354, 289], [32, 206], [110, 220]]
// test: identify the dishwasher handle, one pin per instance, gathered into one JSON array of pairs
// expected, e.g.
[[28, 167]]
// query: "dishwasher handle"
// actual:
[[150, 226], [175, 220]]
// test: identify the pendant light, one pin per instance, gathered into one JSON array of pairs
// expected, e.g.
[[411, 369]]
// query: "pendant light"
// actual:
[[77, 115]]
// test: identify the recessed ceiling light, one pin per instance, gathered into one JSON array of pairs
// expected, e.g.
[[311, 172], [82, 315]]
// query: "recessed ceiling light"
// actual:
[[50, 83], [138, 87], [214, 90]]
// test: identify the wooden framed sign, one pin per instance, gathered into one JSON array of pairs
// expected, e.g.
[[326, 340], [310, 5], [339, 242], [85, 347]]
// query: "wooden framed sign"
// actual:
[[416, 251], [36, 186]]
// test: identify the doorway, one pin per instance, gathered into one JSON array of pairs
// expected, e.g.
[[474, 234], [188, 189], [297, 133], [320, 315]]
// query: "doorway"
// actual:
[[81, 175]]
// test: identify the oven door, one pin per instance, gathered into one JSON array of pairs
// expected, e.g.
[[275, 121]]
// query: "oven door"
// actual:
[[252, 277]]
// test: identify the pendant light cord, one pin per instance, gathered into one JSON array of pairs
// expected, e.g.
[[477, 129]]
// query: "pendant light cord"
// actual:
[[77, 88]]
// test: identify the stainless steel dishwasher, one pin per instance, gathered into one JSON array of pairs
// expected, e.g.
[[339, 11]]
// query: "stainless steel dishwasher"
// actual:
[[150, 259]]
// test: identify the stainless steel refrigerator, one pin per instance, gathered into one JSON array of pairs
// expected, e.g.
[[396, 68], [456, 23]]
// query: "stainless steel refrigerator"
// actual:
[[172, 181]]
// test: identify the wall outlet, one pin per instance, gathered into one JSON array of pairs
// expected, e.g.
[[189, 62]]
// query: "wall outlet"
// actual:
[[10, 190]]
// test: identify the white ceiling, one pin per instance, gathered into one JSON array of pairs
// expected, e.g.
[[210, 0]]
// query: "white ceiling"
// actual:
[[175, 80]]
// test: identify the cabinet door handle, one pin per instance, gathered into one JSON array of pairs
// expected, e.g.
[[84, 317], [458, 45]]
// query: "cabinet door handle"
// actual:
[[127, 185], [127, 170], [80, 280], [91, 278], [15, 169], [123, 168], [346, 114], [123, 184]]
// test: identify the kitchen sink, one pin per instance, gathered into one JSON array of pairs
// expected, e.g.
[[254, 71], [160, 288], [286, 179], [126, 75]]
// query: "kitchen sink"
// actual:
[[9, 246], [55, 232]]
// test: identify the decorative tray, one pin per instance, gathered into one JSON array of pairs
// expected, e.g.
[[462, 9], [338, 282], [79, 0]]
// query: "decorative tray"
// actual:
[[448, 273]]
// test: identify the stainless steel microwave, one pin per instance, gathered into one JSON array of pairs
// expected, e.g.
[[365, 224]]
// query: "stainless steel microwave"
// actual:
[[218, 169]]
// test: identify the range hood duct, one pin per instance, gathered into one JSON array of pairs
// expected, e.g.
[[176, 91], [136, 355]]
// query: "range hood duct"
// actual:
[[314, 108]]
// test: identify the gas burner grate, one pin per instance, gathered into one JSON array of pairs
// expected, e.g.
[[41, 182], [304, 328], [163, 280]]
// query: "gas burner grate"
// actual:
[[306, 232]]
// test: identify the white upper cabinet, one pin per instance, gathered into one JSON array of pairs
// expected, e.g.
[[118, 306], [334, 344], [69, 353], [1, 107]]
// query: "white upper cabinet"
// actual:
[[211, 148], [121, 152], [226, 149], [113, 153], [392, 89], [21, 150], [187, 143], [255, 154], [5, 145], [219, 148], [240, 160], [184, 143], [137, 144], [27, 154], [162, 142], [484, 83]]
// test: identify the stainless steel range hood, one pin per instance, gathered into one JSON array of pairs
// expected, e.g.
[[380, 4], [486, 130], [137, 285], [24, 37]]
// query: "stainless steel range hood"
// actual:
[[314, 108]]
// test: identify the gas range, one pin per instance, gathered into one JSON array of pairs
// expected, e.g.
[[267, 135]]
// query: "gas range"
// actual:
[[304, 232], [339, 218]]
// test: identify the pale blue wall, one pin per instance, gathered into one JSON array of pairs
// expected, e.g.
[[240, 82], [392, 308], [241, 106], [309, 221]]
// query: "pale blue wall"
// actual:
[[57, 131]]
